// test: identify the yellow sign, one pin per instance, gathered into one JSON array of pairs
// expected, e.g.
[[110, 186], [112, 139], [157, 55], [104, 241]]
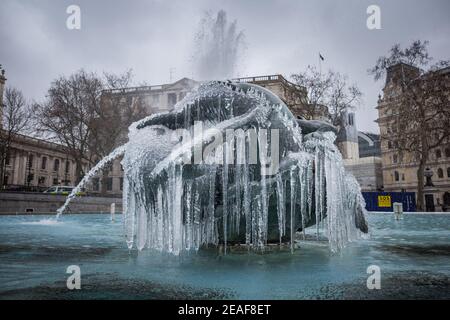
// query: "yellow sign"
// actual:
[[384, 201]]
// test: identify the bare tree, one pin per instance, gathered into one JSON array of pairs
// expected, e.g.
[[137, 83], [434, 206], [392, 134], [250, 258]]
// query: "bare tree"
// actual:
[[68, 112], [330, 90], [113, 115], [421, 103], [16, 117], [416, 55]]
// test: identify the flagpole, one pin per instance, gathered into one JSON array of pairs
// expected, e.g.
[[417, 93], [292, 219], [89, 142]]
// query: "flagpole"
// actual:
[[320, 65]]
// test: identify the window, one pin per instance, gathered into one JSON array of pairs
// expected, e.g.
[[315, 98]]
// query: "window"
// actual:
[[30, 161], [56, 165], [109, 184], [448, 172], [96, 184], [67, 166], [172, 99], [403, 177], [351, 119], [389, 145], [44, 163], [447, 152], [394, 158], [41, 180], [396, 176], [440, 173], [121, 182], [55, 181], [438, 154]]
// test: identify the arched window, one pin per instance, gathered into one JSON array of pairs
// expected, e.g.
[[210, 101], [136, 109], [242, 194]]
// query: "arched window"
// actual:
[[56, 165], [448, 172], [396, 176], [447, 152], [440, 173], [438, 153]]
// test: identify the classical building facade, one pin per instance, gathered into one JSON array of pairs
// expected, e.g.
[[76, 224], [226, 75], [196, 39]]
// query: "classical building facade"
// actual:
[[399, 168], [35, 164]]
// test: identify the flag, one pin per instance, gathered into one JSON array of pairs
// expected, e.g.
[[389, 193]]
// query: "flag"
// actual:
[[321, 57]]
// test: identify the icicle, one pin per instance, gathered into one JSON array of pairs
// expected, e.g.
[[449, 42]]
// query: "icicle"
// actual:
[[264, 214], [293, 199], [281, 206], [225, 197]]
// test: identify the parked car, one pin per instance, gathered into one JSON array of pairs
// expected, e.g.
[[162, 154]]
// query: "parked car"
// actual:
[[63, 190]]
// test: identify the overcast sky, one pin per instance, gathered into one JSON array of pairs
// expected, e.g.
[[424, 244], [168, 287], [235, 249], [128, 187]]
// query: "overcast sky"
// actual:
[[153, 37]]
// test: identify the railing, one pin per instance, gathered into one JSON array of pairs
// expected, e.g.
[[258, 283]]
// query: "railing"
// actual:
[[274, 77], [268, 78], [135, 89]]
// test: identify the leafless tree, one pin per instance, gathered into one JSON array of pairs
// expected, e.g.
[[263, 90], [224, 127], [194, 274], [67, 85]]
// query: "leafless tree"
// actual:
[[68, 112], [113, 115], [422, 107], [83, 116], [330, 90], [416, 55], [15, 120]]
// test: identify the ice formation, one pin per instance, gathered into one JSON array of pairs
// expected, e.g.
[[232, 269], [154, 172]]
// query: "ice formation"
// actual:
[[231, 165]]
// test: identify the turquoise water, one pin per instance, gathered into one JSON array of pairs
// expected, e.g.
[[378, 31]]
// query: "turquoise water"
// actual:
[[35, 253]]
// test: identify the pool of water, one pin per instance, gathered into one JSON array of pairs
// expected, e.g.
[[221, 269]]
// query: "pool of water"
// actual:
[[413, 255]]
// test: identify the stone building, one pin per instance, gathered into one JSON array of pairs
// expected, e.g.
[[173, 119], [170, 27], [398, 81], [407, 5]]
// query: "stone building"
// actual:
[[361, 153], [399, 168], [35, 164], [290, 93], [158, 98]]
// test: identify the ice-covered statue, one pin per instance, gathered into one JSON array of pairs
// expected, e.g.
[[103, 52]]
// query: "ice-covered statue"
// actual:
[[232, 165]]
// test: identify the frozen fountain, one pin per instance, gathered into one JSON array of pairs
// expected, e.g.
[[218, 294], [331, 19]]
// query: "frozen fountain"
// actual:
[[232, 165]]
